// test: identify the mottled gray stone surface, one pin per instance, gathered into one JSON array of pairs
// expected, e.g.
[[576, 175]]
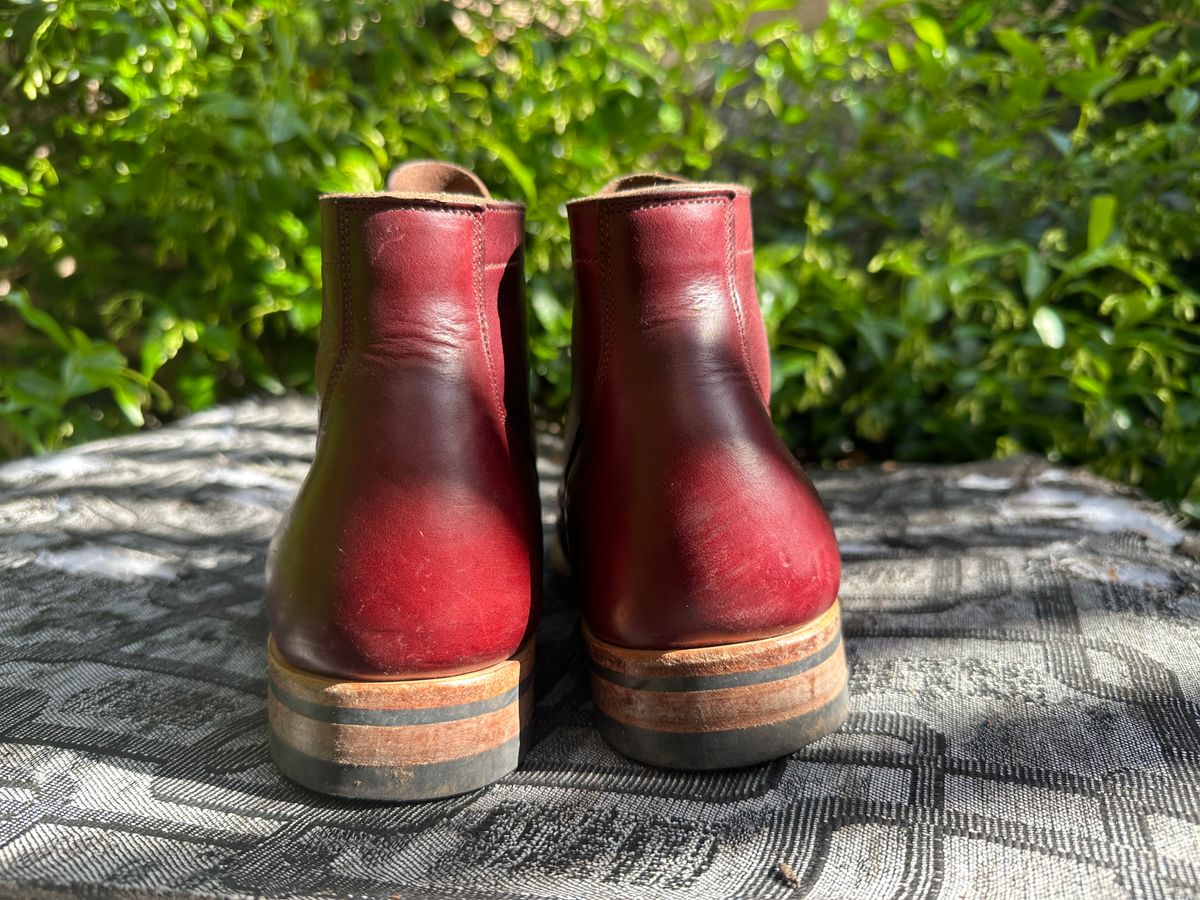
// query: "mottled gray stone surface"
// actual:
[[1024, 645]]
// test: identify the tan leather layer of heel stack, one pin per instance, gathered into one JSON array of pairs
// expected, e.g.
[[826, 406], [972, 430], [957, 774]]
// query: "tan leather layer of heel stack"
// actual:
[[399, 740], [724, 706]]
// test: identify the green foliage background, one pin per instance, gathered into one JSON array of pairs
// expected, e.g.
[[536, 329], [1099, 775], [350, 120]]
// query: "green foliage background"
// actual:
[[978, 222]]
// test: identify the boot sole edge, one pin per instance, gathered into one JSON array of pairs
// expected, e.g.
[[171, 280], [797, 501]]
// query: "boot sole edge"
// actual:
[[399, 741], [724, 706]]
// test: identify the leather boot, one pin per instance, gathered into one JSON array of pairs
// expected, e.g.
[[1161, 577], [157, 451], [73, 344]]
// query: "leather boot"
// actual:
[[707, 564], [402, 586]]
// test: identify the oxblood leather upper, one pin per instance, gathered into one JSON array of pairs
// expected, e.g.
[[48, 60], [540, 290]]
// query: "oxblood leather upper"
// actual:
[[414, 546], [687, 520]]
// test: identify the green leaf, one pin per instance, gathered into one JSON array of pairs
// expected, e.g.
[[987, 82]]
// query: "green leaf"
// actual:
[[546, 306], [930, 31], [358, 170], [1086, 84], [1140, 37], [42, 321], [973, 18], [1183, 102], [761, 6], [821, 184], [1100, 219], [1022, 50], [1037, 275], [1061, 141], [12, 178], [519, 171], [1136, 89], [29, 385], [1049, 327], [728, 80], [130, 404], [670, 117]]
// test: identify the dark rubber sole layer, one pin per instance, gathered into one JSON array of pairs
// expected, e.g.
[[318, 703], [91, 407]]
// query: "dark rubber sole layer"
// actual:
[[399, 741], [726, 706], [428, 781]]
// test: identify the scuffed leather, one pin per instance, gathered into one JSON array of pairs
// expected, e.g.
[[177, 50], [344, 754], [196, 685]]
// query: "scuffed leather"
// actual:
[[414, 546], [687, 520]]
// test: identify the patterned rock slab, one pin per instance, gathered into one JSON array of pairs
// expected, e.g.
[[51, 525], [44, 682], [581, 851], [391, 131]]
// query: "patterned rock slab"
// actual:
[[1025, 718]]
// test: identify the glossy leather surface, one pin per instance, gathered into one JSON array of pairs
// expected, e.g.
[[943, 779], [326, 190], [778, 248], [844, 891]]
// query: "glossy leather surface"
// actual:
[[414, 547], [687, 520]]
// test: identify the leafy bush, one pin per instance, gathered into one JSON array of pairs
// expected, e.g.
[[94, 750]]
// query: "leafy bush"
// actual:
[[977, 222]]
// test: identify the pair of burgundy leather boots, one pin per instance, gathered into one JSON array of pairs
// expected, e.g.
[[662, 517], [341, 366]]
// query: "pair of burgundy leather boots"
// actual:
[[403, 586]]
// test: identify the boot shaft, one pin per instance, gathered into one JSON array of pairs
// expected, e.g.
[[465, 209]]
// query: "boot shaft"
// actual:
[[427, 281], [664, 277]]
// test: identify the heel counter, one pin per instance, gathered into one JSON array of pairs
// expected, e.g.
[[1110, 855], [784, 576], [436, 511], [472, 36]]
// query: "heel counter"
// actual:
[[720, 541], [390, 565]]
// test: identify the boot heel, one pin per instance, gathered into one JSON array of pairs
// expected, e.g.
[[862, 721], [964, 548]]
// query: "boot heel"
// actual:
[[399, 740], [724, 706]]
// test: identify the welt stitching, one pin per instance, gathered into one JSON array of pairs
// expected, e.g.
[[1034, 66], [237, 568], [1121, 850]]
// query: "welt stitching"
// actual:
[[606, 311], [735, 296], [477, 276], [381, 205], [503, 265], [345, 307], [635, 205]]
